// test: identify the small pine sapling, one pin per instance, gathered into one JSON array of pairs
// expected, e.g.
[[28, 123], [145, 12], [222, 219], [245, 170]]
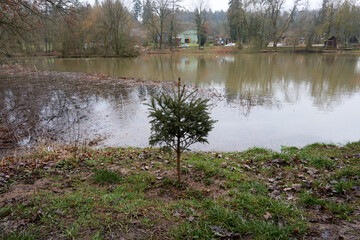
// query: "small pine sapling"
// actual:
[[178, 120]]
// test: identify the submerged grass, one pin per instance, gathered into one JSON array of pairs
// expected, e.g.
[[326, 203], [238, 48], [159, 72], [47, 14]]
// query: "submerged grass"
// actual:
[[133, 194]]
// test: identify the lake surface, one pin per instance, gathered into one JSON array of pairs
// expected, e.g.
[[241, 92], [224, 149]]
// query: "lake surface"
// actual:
[[265, 100]]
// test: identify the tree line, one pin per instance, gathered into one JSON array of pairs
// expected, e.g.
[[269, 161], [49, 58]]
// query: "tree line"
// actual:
[[107, 28], [111, 28], [261, 22]]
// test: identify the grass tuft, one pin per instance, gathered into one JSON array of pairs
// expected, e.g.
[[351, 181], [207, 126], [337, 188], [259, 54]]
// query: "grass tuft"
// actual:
[[342, 210], [105, 176]]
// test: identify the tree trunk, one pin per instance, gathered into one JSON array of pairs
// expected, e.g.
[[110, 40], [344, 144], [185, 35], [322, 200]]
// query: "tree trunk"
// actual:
[[172, 30], [178, 149], [178, 165], [199, 41], [161, 39]]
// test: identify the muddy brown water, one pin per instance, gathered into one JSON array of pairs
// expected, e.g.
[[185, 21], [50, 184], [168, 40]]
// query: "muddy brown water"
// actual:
[[267, 100]]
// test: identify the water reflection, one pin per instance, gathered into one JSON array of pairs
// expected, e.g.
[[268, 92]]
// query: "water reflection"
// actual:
[[324, 78], [261, 99], [62, 109]]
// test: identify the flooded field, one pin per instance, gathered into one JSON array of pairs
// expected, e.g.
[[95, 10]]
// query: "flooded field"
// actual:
[[265, 100]]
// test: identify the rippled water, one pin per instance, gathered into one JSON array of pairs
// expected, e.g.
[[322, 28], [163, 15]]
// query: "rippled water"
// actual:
[[268, 100]]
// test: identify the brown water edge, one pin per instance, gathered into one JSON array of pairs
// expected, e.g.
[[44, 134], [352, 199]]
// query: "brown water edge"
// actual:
[[222, 50], [20, 71], [42, 136], [12, 132]]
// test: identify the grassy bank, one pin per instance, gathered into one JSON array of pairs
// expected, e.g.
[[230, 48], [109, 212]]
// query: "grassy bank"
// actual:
[[211, 50], [119, 193], [249, 49], [228, 51]]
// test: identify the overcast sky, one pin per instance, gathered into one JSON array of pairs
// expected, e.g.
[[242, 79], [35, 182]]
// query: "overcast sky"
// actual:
[[223, 4]]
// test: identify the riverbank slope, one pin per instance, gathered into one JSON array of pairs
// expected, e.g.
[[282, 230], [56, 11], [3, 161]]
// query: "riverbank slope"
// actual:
[[132, 193], [191, 50]]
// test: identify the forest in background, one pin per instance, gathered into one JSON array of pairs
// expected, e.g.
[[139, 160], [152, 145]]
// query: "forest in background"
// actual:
[[111, 28]]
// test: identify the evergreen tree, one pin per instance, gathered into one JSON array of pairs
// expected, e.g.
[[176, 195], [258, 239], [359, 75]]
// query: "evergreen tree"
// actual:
[[323, 11], [147, 11], [202, 36], [179, 120], [235, 20], [137, 9]]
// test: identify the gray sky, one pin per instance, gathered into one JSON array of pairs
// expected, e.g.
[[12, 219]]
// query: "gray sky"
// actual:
[[223, 4]]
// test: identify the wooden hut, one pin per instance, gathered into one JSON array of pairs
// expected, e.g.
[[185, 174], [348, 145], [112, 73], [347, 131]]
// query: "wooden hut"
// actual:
[[353, 40], [331, 42]]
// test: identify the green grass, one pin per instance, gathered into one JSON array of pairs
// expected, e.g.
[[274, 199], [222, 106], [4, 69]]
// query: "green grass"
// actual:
[[348, 171], [222, 194], [25, 235], [238, 222], [343, 186], [320, 162], [106, 176], [343, 210]]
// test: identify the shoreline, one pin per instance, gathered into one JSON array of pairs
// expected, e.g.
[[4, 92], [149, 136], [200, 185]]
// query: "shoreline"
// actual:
[[208, 50]]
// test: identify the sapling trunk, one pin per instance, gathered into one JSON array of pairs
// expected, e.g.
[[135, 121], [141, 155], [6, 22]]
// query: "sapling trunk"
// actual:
[[178, 153], [178, 150]]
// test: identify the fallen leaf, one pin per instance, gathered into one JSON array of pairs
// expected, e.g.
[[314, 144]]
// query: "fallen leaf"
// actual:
[[267, 215], [296, 187]]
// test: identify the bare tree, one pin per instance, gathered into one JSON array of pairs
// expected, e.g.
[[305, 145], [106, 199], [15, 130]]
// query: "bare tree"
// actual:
[[175, 5], [116, 23], [19, 19], [156, 22], [25, 15], [200, 8], [278, 24]]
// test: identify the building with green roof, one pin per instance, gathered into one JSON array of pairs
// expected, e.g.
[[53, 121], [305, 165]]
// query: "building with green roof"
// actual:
[[188, 37]]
